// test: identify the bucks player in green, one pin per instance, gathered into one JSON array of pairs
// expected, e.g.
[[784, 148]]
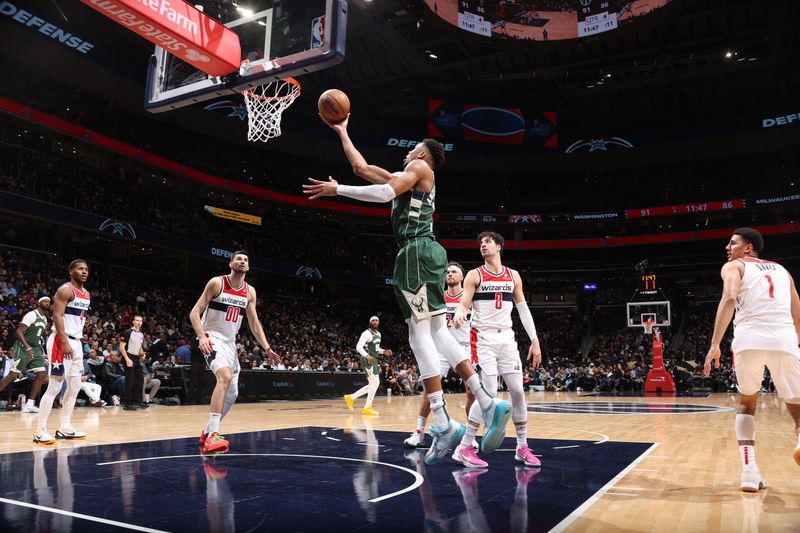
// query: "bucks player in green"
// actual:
[[418, 280], [369, 348], [27, 352]]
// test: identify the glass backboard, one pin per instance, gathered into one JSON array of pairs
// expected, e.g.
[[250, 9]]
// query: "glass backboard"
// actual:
[[279, 39]]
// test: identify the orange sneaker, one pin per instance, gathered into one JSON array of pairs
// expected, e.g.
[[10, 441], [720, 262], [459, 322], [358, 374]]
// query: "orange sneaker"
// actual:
[[215, 443], [203, 437]]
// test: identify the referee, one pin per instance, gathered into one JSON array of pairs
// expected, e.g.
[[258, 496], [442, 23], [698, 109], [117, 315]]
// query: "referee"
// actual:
[[131, 349]]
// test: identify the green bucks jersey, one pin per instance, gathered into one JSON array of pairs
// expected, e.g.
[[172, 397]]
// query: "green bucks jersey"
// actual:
[[412, 215], [36, 325], [370, 341]]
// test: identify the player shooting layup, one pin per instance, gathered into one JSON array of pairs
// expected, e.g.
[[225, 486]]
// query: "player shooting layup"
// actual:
[[765, 333], [419, 276]]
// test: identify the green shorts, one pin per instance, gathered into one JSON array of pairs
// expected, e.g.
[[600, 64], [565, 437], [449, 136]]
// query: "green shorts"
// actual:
[[23, 361], [419, 272], [370, 370]]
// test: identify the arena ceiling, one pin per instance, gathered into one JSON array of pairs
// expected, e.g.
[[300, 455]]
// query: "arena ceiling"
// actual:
[[669, 65]]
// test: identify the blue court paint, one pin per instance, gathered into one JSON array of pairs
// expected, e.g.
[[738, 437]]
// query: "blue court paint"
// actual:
[[364, 481]]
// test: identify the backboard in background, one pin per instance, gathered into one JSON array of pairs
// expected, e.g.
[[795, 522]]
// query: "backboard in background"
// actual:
[[639, 311], [279, 39]]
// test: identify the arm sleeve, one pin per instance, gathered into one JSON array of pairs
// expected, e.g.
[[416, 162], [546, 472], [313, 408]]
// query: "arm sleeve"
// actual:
[[29, 318], [367, 193], [527, 320], [362, 340]]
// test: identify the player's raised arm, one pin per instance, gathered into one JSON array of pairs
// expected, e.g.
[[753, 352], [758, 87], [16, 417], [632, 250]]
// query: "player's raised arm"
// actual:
[[63, 296], [213, 288], [362, 169], [470, 284], [416, 172], [255, 327], [731, 274], [535, 350]]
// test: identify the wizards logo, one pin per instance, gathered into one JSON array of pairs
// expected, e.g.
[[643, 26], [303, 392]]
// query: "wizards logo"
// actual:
[[231, 108], [118, 227], [598, 144]]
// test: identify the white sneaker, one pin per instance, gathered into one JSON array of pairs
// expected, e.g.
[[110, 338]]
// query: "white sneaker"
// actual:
[[43, 437], [30, 408], [69, 434], [416, 440], [751, 481]]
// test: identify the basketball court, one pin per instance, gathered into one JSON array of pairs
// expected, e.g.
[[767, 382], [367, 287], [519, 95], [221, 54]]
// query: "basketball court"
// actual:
[[609, 464]]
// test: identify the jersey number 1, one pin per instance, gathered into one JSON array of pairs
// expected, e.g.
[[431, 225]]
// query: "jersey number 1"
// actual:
[[232, 315], [771, 286]]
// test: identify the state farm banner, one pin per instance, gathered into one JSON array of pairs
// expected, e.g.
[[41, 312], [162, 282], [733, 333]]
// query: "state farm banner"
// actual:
[[452, 120], [180, 29]]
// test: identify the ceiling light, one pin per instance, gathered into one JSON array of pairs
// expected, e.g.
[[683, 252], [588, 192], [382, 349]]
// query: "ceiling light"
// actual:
[[728, 54], [244, 11]]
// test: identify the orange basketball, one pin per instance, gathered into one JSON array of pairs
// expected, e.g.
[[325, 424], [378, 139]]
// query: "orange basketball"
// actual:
[[334, 105]]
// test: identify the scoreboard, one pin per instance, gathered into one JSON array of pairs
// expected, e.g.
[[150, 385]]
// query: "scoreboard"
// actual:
[[595, 16], [476, 16]]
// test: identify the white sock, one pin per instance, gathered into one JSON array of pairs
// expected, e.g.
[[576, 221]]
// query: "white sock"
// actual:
[[747, 453], [469, 435], [475, 385], [522, 434], [30, 403], [73, 388], [213, 423], [440, 418], [421, 421]]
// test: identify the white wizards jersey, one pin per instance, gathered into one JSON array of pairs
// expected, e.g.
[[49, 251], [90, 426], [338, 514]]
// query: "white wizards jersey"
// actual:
[[75, 312], [493, 300], [460, 334], [763, 317], [225, 311]]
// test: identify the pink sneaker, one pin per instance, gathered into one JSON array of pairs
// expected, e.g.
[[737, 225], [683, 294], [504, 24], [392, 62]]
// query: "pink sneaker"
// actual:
[[467, 456], [525, 455]]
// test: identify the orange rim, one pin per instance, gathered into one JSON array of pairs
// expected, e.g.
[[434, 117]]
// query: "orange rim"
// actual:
[[294, 94]]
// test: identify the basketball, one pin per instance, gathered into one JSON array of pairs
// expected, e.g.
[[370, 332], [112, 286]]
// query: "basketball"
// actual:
[[334, 105]]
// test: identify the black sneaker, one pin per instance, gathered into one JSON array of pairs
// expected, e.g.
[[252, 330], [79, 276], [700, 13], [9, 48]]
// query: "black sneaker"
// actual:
[[143, 405], [130, 407]]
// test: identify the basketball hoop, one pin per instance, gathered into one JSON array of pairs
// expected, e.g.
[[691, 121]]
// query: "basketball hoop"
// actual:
[[265, 105], [648, 326]]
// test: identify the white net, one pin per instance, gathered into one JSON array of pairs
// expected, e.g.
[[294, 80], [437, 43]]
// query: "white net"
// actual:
[[265, 105], [648, 326]]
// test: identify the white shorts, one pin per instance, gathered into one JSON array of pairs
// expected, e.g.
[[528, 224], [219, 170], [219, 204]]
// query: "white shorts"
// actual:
[[784, 369], [60, 366], [223, 354], [495, 351], [444, 365]]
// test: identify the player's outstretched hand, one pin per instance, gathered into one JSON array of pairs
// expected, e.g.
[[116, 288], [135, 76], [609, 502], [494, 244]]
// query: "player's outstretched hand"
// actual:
[[319, 188], [338, 127], [272, 357], [713, 355]]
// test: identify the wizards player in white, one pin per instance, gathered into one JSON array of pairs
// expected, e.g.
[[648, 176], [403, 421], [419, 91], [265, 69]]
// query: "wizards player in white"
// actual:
[[454, 279], [66, 353], [223, 303], [493, 290], [765, 333]]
